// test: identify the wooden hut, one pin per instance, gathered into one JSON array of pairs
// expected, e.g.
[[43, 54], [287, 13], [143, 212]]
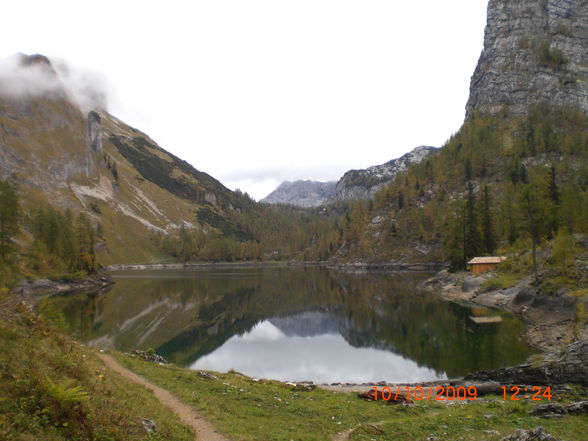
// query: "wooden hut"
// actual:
[[480, 264]]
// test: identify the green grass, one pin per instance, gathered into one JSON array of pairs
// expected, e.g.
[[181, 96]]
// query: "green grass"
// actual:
[[53, 389], [499, 281], [247, 410]]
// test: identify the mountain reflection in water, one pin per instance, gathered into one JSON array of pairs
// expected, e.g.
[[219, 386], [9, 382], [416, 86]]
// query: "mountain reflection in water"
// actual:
[[293, 323]]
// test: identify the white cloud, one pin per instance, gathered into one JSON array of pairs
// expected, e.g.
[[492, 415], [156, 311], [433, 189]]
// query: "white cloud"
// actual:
[[90, 87], [35, 79], [263, 84], [34, 75]]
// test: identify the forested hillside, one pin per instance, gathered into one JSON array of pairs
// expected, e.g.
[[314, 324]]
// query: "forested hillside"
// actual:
[[501, 180], [258, 232]]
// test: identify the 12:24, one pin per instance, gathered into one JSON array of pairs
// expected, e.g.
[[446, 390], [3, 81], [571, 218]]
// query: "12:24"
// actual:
[[538, 395]]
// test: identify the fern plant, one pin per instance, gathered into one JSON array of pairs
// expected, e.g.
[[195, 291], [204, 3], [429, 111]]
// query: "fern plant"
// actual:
[[66, 394]]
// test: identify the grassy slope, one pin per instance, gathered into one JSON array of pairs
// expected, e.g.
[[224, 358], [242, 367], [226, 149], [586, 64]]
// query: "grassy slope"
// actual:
[[53, 389], [45, 146], [268, 410]]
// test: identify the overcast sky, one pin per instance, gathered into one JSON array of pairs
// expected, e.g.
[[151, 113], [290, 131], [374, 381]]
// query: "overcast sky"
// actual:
[[255, 92]]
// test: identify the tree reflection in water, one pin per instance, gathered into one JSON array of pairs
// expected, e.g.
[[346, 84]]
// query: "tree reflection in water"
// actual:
[[354, 320]]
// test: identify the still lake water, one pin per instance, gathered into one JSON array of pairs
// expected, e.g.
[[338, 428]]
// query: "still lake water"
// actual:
[[294, 324]]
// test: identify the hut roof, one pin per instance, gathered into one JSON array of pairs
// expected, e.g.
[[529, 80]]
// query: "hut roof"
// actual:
[[487, 259]]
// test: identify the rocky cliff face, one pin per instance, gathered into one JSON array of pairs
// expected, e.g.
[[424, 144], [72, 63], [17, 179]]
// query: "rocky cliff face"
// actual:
[[363, 184], [301, 193], [535, 51], [95, 131]]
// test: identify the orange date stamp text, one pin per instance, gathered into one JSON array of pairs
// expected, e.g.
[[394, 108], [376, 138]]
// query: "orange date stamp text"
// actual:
[[456, 393]]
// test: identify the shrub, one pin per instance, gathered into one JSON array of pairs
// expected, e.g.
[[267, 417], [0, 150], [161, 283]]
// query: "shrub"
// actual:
[[552, 58]]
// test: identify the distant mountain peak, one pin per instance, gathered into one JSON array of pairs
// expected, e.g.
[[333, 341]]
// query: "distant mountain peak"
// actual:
[[355, 184], [303, 193], [34, 60]]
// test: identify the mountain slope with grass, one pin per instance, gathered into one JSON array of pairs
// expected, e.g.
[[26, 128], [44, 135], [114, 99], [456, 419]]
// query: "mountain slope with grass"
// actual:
[[78, 157], [55, 389]]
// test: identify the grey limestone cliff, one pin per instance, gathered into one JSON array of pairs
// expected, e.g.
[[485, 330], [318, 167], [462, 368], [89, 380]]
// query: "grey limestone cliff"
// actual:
[[535, 51], [365, 183]]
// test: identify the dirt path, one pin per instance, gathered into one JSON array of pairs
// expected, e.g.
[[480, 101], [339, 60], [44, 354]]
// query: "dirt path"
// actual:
[[203, 429], [342, 436]]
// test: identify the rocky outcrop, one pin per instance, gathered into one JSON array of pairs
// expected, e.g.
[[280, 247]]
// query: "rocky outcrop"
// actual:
[[536, 434], [42, 136], [31, 290], [553, 409], [150, 355], [549, 317], [301, 193], [570, 365], [534, 52], [363, 184], [95, 131]]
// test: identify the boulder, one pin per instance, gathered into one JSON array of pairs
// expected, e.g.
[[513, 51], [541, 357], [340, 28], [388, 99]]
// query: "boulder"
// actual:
[[548, 410], [536, 434], [567, 366], [150, 356]]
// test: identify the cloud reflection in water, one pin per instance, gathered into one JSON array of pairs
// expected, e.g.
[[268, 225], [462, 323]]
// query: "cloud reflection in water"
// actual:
[[267, 352]]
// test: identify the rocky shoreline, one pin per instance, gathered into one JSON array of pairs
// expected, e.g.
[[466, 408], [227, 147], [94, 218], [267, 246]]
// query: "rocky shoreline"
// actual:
[[188, 266], [352, 266], [32, 290], [386, 266], [548, 318]]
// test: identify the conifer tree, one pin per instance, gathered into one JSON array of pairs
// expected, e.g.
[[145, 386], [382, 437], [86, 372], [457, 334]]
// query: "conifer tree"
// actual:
[[9, 215], [468, 169], [531, 210], [86, 257], [563, 250], [552, 186], [488, 235], [455, 240], [473, 242]]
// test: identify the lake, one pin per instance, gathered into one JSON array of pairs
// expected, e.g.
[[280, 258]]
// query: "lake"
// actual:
[[292, 323]]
